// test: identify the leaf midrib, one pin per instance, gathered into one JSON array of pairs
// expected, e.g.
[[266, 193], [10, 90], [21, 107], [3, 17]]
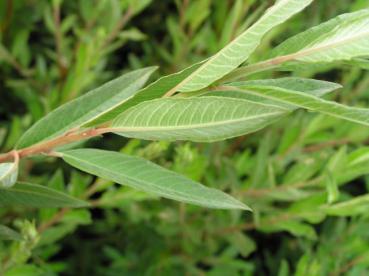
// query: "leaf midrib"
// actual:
[[307, 51], [212, 124], [299, 105]]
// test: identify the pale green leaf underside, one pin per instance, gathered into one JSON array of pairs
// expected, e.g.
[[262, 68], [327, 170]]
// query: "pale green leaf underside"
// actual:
[[203, 119], [7, 233], [146, 176], [238, 51], [310, 102], [8, 174], [311, 87], [32, 195], [86, 108], [342, 38]]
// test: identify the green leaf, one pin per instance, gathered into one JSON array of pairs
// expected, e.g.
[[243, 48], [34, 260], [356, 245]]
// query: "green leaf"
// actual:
[[309, 86], [238, 51], [342, 38], [8, 174], [32, 195], [203, 119], [9, 234], [352, 207], [307, 101], [332, 188], [146, 176], [86, 108]]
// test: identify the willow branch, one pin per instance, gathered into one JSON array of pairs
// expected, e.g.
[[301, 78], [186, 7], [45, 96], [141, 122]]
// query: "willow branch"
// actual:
[[48, 146]]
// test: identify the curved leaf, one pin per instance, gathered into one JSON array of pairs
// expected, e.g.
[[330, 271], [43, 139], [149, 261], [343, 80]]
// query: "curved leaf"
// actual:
[[146, 176], [342, 38], [203, 119], [309, 86], [310, 102]]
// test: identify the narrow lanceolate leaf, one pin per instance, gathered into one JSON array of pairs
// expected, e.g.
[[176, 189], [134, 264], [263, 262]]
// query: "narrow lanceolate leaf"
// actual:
[[342, 38], [7, 233], [203, 119], [8, 174], [310, 102], [242, 47], [86, 108], [146, 176], [31, 195], [312, 87]]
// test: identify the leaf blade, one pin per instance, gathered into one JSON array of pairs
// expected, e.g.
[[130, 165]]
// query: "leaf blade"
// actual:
[[342, 38], [238, 51], [144, 175], [204, 119], [313, 87], [310, 102]]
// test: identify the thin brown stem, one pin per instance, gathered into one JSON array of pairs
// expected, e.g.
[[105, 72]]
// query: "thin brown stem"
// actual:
[[304, 184], [48, 146], [120, 25], [54, 220], [58, 43]]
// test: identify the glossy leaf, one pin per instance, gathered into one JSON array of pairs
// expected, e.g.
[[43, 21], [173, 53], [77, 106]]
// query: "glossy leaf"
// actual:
[[31, 195], [146, 176], [86, 108], [203, 119]]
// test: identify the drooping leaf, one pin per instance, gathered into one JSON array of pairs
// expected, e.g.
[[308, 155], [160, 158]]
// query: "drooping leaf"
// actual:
[[146, 176], [8, 174], [342, 38], [86, 108], [238, 51], [203, 119], [31, 195], [310, 102], [7, 233]]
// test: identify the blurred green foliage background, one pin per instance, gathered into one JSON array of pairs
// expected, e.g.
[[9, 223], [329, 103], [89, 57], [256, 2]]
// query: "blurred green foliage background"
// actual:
[[305, 177]]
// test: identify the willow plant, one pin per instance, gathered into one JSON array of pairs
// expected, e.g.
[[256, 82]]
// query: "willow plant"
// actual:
[[206, 102]]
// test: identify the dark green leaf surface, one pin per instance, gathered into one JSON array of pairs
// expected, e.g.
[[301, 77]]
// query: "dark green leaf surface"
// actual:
[[146, 176]]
